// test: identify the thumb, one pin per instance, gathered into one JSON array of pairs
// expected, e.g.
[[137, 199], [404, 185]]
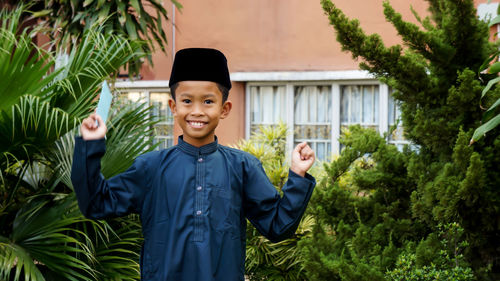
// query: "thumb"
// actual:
[[300, 146], [99, 120]]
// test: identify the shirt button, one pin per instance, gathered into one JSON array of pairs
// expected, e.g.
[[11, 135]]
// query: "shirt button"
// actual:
[[200, 159], [198, 213], [199, 188]]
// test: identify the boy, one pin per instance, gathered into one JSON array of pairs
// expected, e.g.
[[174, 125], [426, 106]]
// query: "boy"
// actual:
[[193, 198]]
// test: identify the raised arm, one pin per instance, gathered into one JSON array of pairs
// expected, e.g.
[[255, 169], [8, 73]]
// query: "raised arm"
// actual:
[[277, 217], [97, 197]]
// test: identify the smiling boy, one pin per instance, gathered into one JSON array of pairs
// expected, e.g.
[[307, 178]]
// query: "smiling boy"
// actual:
[[193, 198]]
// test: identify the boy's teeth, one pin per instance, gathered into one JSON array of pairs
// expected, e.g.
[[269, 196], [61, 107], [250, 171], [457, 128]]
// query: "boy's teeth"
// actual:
[[197, 124]]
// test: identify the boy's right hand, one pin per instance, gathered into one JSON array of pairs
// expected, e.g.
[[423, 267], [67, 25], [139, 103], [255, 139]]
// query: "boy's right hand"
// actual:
[[89, 129]]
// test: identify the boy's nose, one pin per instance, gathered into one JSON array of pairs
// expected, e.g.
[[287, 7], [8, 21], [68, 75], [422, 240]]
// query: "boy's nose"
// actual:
[[197, 110]]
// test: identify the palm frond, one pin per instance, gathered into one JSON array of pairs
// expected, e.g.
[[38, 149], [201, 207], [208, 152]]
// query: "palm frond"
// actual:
[[117, 258], [15, 258], [42, 234], [98, 56], [31, 126], [24, 67], [130, 134], [61, 157]]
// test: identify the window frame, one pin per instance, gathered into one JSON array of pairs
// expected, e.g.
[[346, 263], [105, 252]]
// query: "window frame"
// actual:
[[335, 87]]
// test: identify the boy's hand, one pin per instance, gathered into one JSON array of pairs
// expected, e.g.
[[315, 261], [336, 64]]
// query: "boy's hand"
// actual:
[[89, 129], [302, 159]]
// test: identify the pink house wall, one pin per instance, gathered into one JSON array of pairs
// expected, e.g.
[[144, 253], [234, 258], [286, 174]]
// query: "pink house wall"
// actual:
[[263, 35]]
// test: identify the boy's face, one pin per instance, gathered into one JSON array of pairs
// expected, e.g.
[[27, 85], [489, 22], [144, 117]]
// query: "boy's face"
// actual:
[[198, 107]]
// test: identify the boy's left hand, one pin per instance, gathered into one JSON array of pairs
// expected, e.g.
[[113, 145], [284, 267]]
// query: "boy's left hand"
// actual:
[[302, 159]]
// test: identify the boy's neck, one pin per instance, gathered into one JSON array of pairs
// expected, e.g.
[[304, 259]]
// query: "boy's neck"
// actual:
[[197, 142]]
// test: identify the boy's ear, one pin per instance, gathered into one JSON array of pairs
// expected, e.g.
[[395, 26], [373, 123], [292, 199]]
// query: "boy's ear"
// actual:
[[173, 108], [226, 108]]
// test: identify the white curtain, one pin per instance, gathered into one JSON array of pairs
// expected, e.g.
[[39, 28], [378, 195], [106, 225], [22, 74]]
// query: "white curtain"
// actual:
[[268, 104], [313, 117], [360, 105]]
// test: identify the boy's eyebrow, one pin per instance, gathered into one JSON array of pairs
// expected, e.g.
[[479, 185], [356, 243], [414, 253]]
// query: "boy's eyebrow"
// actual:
[[187, 95], [209, 95]]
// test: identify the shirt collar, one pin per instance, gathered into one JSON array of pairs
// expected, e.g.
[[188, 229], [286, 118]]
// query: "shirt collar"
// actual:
[[195, 151]]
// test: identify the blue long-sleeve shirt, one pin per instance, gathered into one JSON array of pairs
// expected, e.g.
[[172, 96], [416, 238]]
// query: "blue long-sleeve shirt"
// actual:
[[193, 203]]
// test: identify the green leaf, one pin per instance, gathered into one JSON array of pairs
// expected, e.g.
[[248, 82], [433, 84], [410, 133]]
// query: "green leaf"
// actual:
[[17, 78], [131, 28], [87, 2], [177, 4], [122, 12], [104, 13], [489, 85], [136, 5], [494, 68], [485, 128], [100, 3], [488, 114], [41, 13], [127, 138], [487, 62], [494, 21]]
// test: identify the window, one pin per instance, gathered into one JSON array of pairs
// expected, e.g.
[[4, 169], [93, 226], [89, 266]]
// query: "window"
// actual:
[[317, 111], [360, 105], [158, 99], [268, 106], [164, 130], [308, 113], [313, 118], [394, 117]]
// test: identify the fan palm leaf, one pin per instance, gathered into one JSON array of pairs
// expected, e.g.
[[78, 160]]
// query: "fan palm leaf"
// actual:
[[130, 134], [43, 238], [118, 255], [33, 117], [24, 67], [88, 65]]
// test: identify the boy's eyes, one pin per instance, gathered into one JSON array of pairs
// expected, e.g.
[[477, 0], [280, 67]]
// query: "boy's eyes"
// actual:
[[209, 101]]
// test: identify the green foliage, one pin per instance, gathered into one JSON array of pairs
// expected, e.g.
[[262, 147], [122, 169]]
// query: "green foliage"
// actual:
[[443, 266], [406, 270], [266, 260], [43, 235], [452, 42], [362, 211], [378, 207], [134, 19], [491, 102]]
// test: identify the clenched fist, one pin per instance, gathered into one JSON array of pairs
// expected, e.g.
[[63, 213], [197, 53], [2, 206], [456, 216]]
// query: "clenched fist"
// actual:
[[92, 130], [302, 159]]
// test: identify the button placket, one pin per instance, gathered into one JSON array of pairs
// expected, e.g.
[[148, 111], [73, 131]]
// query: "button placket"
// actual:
[[200, 181]]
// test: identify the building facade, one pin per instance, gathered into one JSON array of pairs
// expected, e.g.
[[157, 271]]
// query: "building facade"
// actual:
[[285, 65]]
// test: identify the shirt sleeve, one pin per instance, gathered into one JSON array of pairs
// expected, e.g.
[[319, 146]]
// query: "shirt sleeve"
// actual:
[[275, 217], [100, 198]]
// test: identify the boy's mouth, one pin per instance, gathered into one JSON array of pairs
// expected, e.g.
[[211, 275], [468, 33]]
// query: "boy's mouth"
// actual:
[[197, 124]]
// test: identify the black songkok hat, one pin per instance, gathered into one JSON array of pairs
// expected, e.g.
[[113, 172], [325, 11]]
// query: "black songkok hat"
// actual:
[[199, 64]]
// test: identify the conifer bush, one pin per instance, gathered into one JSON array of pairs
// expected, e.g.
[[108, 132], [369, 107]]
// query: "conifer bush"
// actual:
[[378, 208]]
